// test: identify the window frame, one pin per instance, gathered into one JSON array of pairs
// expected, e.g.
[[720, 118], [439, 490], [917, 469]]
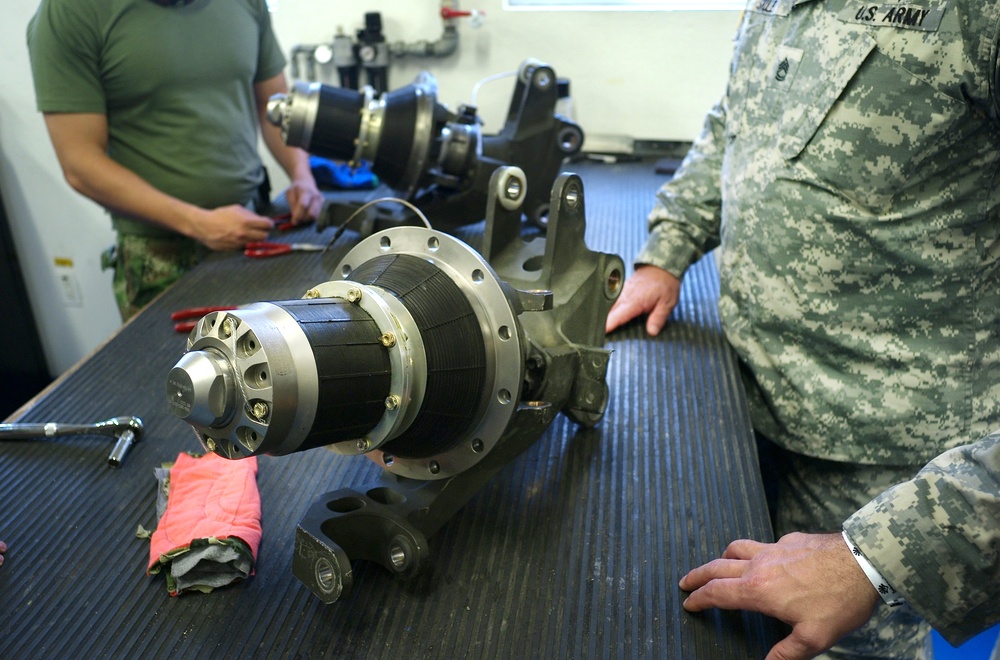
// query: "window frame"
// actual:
[[624, 5]]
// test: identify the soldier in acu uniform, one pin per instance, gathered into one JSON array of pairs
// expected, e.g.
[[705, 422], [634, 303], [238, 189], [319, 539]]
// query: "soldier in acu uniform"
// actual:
[[850, 177]]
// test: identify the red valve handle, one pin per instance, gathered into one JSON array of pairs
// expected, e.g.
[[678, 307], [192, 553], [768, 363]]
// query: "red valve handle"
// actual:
[[448, 12]]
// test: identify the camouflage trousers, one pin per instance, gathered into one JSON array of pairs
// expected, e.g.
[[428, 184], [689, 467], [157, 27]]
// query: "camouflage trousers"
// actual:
[[145, 266], [815, 496]]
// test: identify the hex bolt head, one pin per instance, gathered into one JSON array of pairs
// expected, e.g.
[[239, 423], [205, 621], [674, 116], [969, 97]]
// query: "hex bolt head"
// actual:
[[353, 295], [199, 389], [392, 402], [388, 340]]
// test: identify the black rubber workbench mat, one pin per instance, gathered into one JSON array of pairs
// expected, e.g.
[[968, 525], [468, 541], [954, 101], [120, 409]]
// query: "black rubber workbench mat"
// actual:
[[573, 550]]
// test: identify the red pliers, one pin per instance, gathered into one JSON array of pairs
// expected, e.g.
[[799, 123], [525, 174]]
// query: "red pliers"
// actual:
[[260, 249], [186, 319], [287, 224]]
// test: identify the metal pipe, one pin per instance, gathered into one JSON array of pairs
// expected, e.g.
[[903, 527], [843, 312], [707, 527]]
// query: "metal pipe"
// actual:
[[443, 47]]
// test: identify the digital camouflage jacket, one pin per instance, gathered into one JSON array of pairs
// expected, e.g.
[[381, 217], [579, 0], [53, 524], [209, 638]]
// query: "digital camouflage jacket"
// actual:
[[849, 176]]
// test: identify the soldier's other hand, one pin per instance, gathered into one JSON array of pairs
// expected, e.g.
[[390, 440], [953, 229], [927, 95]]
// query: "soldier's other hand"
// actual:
[[304, 199], [231, 227], [809, 581], [651, 291]]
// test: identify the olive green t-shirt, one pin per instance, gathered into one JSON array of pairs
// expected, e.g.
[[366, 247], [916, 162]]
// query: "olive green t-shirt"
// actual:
[[176, 84]]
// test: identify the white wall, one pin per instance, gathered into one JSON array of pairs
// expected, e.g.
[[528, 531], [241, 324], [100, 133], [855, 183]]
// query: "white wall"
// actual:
[[645, 75]]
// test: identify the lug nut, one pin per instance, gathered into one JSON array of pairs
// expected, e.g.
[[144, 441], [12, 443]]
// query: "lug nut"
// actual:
[[259, 410]]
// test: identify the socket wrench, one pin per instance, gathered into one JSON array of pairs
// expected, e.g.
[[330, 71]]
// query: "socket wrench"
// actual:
[[125, 430]]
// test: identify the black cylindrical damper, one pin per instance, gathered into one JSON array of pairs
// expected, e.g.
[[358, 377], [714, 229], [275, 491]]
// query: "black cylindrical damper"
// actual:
[[338, 123], [398, 134], [354, 369], [453, 345]]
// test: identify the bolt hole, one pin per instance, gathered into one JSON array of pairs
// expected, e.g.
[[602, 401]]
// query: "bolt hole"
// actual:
[[256, 376], [503, 396], [248, 345], [397, 555], [386, 496], [533, 264], [345, 504], [248, 438], [433, 244], [570, 141], [512, 187], [326, 575], [477, 276], [572, 196], [385, 243], [614, 283]]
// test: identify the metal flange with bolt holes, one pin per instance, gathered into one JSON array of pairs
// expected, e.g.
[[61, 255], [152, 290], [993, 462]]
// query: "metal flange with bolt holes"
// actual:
[[501, 331]]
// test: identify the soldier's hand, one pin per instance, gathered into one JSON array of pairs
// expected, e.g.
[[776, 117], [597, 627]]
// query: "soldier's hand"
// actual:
[[304, 199], [231, 227], [809, 581], [650, 290]]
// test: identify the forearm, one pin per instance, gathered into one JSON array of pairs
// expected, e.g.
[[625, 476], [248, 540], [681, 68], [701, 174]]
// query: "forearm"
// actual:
[[123, 192], [80, 142], [684, 223], [936, 538], [294, 161]]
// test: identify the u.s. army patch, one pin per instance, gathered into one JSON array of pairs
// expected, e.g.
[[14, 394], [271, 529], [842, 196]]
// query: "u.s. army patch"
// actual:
[[893, 15]]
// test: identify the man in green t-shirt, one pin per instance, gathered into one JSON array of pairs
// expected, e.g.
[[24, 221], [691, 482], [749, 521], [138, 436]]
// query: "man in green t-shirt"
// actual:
[[153, 108]]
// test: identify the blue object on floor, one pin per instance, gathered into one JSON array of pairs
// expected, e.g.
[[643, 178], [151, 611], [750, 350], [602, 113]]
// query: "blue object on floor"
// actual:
[[331, 174], [978, 648]]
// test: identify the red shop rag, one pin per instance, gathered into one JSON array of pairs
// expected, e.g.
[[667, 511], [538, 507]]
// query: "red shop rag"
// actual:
[[209, 533]]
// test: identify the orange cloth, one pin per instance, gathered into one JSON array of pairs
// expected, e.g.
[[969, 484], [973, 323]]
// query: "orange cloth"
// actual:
[[209, 497]]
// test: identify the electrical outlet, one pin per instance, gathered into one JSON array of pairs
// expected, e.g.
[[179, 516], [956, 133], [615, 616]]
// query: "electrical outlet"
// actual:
[[70, 289]]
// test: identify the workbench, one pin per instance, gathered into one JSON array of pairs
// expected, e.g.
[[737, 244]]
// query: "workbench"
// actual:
[[573, 550]]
